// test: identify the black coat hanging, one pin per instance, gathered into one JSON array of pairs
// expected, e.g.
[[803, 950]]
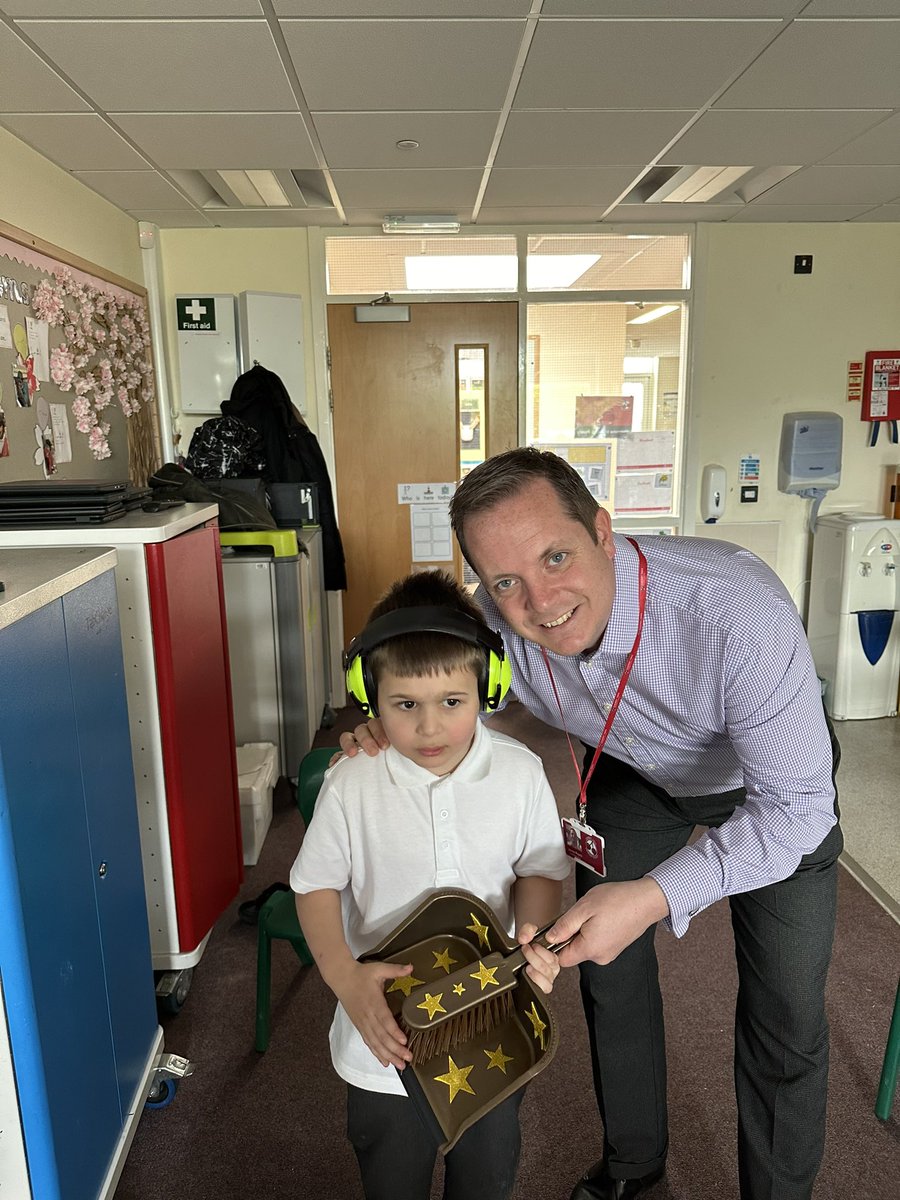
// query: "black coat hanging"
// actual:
[[293, 454]]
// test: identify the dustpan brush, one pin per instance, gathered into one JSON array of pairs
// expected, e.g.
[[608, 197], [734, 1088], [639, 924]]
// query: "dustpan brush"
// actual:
[[472, 1000]]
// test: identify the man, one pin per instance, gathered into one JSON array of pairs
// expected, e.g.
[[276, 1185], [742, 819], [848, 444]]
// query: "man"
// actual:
[[719, 724]]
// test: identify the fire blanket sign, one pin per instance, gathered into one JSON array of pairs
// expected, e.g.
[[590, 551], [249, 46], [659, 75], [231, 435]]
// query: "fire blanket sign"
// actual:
[[881, 386]]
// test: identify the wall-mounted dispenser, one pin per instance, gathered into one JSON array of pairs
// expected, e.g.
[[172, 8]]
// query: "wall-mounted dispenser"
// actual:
[[712, 493], [809, 461]]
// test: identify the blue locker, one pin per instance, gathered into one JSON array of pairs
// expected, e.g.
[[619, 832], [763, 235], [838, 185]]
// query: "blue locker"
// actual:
[[75, 960]]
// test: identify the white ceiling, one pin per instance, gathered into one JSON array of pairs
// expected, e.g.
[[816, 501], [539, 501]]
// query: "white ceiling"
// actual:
[[525, 111]]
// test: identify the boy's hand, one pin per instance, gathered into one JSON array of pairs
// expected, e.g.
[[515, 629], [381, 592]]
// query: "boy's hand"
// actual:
[[361, 991], [543, 965], [368, 737]]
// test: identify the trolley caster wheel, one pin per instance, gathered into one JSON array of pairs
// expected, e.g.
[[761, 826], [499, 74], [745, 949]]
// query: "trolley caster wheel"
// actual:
[[172, 990], [161, 1094]]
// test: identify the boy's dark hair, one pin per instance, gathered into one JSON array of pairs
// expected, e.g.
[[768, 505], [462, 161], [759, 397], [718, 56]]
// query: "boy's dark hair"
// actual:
[[505, 475], [414, 655]]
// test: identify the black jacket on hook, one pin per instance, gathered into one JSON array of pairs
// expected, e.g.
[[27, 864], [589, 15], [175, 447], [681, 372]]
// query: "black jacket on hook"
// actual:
[[293, 454]]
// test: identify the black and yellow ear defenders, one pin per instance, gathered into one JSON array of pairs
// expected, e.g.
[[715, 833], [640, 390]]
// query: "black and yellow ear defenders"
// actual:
[[426, 619]]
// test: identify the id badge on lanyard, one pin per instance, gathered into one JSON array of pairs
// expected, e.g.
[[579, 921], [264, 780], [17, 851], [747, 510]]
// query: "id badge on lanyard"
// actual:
[[583, 843]]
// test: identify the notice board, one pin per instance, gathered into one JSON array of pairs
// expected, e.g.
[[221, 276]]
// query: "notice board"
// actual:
[[77, 391]]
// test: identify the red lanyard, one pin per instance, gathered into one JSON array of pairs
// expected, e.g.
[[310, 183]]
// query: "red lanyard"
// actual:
[[629, 663]]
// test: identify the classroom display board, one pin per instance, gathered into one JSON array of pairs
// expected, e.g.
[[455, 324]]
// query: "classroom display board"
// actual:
[[77, 393]]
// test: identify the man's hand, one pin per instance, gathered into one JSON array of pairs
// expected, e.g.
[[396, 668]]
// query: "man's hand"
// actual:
[[543, 965], [607, 919], [360, 988], [368, 737]]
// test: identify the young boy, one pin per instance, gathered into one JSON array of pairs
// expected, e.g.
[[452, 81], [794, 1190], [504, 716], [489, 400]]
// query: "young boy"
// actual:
[[451, 804]]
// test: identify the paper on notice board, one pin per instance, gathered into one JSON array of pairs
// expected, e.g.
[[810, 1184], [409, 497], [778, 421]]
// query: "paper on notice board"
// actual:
[[430, 533], [6, 342], [646, 450], [38, 347], [59, 422], [644, 493]]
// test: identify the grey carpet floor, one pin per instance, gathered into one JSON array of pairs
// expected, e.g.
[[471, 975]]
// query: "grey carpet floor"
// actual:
[[272, 1125]]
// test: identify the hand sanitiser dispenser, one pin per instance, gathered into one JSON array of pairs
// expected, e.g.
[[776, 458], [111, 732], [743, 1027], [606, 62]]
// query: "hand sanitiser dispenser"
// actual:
[[809, 462]]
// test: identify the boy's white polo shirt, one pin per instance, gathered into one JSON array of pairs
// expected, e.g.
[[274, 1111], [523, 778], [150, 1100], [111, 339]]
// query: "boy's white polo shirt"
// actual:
[[387, 833]]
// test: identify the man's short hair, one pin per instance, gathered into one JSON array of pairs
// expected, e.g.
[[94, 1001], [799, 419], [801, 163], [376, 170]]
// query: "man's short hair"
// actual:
[[505, 475], [415, 655]]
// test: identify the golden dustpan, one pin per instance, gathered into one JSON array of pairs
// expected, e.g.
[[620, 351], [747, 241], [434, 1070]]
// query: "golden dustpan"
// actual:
[[450, 930]]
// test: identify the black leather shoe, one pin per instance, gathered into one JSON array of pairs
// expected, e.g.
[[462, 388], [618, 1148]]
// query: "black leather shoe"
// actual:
[[598, 1184]]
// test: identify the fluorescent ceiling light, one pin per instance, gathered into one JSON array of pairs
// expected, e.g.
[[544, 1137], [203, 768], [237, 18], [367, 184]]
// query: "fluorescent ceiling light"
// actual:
[[548, 271], [653, 315], [420, 225], [696, 185], [256, 189], [461, 272]]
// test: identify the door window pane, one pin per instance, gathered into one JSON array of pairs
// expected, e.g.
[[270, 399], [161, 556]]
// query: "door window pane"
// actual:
[[604, 262], [604, 392]]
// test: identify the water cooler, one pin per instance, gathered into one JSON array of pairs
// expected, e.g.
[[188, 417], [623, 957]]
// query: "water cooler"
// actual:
[[854, 624]]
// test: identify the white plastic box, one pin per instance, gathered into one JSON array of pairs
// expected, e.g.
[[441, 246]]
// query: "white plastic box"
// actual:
[[256, 777]]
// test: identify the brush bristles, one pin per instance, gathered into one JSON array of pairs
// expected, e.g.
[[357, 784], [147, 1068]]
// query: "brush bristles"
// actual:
[[439, 1039]]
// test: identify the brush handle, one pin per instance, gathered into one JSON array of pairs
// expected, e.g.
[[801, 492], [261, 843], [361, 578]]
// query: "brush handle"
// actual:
[[481, 981]]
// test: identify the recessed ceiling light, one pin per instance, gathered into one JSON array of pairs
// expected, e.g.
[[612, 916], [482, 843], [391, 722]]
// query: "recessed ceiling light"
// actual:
[[407, 144]]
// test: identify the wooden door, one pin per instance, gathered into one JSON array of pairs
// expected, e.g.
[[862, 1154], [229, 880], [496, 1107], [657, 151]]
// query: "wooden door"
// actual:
[[396, 421]]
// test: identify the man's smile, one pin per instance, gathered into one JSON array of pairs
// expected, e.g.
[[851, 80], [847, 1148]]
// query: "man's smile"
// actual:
[[559, 620]]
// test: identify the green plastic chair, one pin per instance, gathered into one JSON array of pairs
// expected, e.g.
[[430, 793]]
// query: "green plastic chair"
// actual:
[[888, 1083], [278, 916]]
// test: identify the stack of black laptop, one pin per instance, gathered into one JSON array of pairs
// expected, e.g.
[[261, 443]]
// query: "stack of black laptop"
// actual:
[[42, 504]]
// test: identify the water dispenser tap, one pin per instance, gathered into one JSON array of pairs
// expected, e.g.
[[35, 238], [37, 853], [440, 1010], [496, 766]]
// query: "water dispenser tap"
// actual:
[[865, 569], [890, 568]]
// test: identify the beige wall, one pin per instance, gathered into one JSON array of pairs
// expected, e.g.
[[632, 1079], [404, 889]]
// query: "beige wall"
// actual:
[[48, 202], [767, 342], [227, 262]]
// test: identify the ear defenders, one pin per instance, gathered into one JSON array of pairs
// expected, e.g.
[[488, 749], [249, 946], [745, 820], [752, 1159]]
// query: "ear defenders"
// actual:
[[426, 619]]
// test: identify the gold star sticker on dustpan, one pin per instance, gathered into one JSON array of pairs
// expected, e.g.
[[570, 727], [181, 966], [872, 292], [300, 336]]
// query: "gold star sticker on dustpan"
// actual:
[[485, 975], [537, 1024], [432, 1004], [480, 931], [443, 960], [496, 1058], [459, 988], [405, 984], [456, 1079]]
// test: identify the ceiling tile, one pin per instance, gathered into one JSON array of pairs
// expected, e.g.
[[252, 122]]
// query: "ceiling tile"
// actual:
[[887, 212], [668, 8], [769, 138], [569, 187], [134, 189], [625, 214], [370, 139], [221, 141], [540, 215], [824, 64], [582, 139], [273, 218], [131, 8], [168, 218], [610, 64], [76, 141], [851, 8], [169, 66], [791, 213], [879, 146], [408, 191], [403, 65], [836, 185], [401, 8], [27, 84]]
